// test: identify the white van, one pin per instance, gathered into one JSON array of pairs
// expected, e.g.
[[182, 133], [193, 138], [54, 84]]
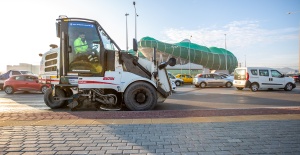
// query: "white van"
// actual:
[[257, 78]]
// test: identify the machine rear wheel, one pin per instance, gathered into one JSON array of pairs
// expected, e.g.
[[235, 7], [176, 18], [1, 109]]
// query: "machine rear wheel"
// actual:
[[140, 96], [49, 98]]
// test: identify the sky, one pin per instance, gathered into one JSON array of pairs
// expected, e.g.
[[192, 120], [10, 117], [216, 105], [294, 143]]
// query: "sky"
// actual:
[[258, 32]]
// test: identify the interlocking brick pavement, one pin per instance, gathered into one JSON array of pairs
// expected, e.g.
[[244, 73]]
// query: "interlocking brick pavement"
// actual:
[[252, 137]]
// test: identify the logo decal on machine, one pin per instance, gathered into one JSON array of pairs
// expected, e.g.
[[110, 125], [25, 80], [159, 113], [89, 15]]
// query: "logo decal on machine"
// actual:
[[108, 78]]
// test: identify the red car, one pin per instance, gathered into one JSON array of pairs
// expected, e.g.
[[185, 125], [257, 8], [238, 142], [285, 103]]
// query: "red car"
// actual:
[[24, 83]]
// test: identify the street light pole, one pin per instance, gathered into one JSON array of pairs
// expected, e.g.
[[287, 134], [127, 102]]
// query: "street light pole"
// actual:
[[126, 33], [190, 56], [299, 40], [245, 61], [135, 17], [226, 52]]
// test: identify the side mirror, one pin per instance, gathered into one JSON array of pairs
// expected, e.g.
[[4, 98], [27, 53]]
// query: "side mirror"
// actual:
[[171, 62], [135, 47]]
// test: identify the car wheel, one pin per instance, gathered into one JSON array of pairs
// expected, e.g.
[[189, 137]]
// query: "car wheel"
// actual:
[[228, 84], [178, 83], [239, 88], [254, 87], [49, 98], [140, 96], [288, 87], [202, 84], [44, 89], [9, 90]]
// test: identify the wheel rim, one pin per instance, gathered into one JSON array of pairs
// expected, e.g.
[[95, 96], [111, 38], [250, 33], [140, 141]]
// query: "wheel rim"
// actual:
[[254, 87], [202, 84], [289, 87], [228, 84], [140, 97], [8, 90], [44, 88], [177, 83]]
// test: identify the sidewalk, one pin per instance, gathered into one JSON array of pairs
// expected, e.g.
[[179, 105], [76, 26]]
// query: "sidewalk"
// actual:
[[276, 132]]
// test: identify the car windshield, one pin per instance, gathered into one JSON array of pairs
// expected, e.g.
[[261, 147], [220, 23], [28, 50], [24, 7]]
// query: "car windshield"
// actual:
[[26, 72], [171, 76]]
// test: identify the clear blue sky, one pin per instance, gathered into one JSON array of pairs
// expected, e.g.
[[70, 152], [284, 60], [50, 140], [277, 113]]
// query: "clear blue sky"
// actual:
[[259, 30]]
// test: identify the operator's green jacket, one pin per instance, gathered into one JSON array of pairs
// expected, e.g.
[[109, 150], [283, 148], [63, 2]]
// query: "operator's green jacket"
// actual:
[[80, 47]]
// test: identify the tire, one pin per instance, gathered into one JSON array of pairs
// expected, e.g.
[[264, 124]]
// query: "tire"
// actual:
[[288, 87], [49, 100], [140, 96], [178, 83], [239, 88], [202, 85], [254, 87], [44, 89], [228, 84], [9, 90]]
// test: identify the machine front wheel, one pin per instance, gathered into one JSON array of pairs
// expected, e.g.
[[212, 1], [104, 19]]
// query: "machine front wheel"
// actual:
[[49, 98], [140, 96]]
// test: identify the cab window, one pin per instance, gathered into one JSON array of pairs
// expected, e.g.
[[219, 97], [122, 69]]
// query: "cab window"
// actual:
[[107, 43], [84, 40]]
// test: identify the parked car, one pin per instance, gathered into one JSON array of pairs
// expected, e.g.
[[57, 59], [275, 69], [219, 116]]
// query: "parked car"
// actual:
[[10, 73], [24, 83], [211, 80], [226, 75], [177, 81], [185, 77], [257, 78]]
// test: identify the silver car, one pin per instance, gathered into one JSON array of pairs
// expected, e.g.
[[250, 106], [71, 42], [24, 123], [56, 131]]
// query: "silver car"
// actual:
[[211, 80]]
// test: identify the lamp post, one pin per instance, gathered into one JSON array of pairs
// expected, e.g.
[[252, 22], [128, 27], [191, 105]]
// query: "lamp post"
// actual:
[[135, 17], [226, 52], [245, 61], [190, 56], [126, 32], [299, 41]]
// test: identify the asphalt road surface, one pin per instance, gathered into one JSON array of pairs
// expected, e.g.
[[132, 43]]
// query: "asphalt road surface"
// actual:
[[186, 97]]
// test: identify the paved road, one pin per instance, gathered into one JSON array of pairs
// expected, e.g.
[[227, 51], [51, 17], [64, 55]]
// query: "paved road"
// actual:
[[186, 97]]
